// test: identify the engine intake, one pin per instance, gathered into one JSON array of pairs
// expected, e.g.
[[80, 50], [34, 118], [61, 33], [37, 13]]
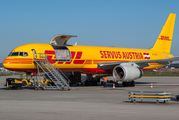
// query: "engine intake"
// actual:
[[127, 72]]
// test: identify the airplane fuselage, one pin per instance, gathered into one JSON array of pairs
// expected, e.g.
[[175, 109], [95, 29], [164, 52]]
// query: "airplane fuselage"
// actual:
[[83, 59]]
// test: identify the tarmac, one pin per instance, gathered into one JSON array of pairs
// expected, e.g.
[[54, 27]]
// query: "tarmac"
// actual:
[[90, 102]]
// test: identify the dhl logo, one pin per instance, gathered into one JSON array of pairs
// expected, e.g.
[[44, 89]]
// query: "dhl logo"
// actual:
[[164, 38], [75, 57]]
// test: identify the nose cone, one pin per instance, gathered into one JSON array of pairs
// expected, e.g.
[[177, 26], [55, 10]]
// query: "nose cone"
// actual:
[[6, 63], [10, 63]]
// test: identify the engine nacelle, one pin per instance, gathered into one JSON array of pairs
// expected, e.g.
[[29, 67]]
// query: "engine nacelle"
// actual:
[[127, 72]]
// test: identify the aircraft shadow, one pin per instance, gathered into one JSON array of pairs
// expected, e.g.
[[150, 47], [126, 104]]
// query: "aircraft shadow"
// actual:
[[4, 88], [145, 82], [146, 102], [174, 99]]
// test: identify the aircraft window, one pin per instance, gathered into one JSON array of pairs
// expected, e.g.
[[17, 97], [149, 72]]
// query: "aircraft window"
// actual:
[[10, 54], [15, 54], [20, 53], [25, 54]]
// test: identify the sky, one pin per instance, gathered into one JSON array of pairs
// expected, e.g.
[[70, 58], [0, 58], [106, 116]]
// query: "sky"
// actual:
[[119, 23]]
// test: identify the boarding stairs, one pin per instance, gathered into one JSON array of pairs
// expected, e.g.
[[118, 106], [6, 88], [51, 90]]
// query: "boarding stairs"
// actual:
[[44, 64]]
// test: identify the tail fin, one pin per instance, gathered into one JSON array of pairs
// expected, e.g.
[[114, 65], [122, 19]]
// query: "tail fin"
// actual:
[[164, 41]]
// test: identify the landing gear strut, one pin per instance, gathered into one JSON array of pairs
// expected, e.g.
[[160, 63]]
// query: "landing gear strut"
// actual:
[[91, 80], [128, 84]]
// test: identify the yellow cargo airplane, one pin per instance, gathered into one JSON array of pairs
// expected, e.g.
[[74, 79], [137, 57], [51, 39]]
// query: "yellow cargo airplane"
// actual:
[[126, 64]]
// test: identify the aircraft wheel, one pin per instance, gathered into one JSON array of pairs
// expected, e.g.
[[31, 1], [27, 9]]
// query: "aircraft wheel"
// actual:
[[132, 83], [128, 84], [24, 83], [125, 84]]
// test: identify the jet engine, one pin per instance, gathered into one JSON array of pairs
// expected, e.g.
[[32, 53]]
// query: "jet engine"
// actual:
[[127, 72]]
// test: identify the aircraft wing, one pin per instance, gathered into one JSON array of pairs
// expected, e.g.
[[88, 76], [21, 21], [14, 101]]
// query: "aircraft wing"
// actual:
[[141, 64]]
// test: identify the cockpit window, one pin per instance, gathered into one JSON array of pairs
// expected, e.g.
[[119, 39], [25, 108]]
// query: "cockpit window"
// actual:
[[14, 54], [10, 54], [24, 54], [21, 54]]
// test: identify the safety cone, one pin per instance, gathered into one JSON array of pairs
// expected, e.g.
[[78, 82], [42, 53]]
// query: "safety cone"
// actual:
[[151, 85], [113, 85]]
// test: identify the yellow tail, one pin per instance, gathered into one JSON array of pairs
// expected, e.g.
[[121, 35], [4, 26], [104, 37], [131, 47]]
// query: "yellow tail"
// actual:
[[164, 41]]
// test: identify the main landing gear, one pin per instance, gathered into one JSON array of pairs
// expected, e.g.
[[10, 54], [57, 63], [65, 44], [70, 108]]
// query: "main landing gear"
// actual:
[[92, 80], [128, 84]]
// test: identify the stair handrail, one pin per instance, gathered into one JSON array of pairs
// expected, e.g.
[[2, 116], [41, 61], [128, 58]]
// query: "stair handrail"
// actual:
[[48, 75], [43, 57], [58, 75], [56, 67]]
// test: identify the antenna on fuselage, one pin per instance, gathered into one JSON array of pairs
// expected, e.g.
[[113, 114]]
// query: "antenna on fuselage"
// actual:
[[76, 43]]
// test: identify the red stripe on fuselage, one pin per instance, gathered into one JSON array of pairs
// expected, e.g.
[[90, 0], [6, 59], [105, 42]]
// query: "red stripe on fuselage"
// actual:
[[60, 62], [78, 56], [78, 61], [68, 62], [50, 52], [72, 54]]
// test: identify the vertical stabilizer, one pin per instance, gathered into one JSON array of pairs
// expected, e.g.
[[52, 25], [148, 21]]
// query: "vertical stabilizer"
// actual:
[[164, 41]]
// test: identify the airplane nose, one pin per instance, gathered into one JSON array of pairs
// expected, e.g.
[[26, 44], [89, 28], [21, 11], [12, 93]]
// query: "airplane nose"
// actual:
[[6, 63]]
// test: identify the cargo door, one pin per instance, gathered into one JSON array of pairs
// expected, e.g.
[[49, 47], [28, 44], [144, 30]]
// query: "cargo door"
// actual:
[[61, 50]]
